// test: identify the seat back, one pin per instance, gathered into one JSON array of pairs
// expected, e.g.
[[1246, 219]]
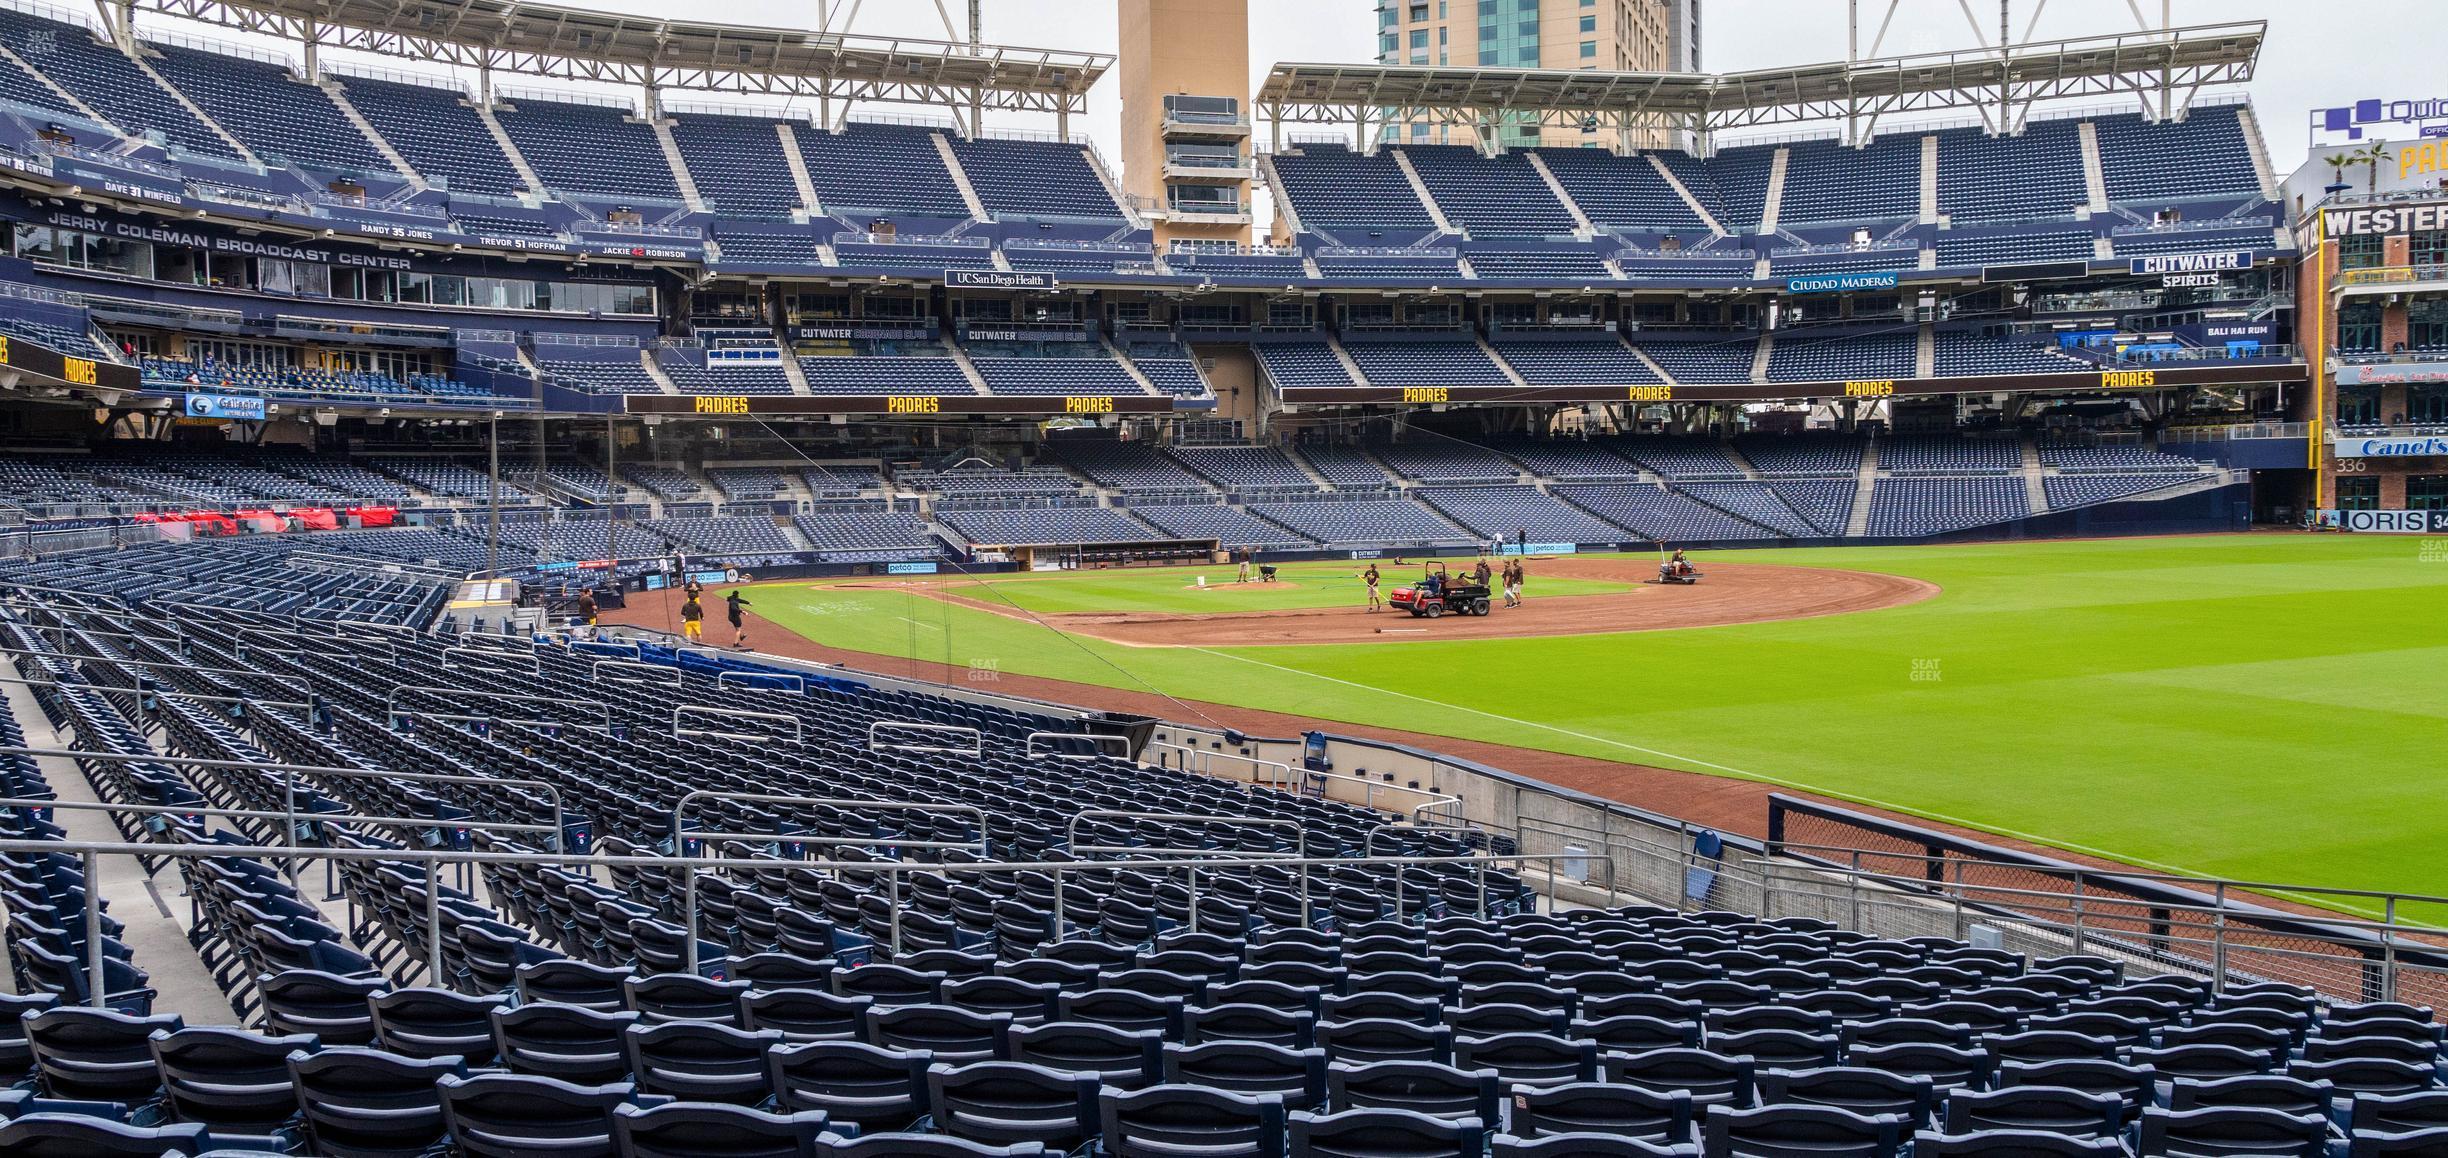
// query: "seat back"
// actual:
[[1603, 1108], [695, 1129], [852, 1082], [1175, 1121], [573, 1043], [229, 1079], [1002, 1102], [1384, 1133], [517, 1115], [359, 1101], [1439, 1091], [1799, 1132]]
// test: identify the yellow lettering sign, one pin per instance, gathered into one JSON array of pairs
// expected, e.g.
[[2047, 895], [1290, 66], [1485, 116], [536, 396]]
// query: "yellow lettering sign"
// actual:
[[1087, 405], [1427, 394], [1650, 393], [2128, 379], [80, 371], [913, 404], [4, 350], [1874, 388], [721, 404]]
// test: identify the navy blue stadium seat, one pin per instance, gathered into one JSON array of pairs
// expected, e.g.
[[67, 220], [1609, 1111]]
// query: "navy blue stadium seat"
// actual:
[[689, 1129], [1170, 1121], [572, 1043], [1004, 1102], [1384, 1133], [2229, 1130], [1794, 1130], [851, 1082]]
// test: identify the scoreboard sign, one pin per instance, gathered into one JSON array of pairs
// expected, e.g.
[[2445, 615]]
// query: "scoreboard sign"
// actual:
[[43, 362]]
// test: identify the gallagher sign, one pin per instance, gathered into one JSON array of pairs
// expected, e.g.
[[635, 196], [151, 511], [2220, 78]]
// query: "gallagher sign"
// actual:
[[2190, 262]]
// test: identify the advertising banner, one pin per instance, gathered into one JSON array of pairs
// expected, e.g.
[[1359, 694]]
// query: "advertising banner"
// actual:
[[2407, 446], [225, 406]]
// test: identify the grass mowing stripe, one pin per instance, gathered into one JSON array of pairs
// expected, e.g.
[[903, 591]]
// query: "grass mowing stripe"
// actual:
[[1730, 770], [2251, 706]]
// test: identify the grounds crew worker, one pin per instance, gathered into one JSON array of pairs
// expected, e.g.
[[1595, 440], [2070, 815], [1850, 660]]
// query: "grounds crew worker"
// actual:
[[1370, 576], [739, 625], [586, 609], [692, 619]]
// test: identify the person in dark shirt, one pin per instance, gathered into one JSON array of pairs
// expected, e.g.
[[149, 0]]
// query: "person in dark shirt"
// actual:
[[692, 619], [739, 623]]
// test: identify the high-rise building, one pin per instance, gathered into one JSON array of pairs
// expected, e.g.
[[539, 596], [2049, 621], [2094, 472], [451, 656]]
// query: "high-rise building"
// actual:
[[1185, 116], [1608, 35]]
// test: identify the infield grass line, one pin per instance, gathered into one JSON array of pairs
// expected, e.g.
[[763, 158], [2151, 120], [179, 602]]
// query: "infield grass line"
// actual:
[[1729, 769]]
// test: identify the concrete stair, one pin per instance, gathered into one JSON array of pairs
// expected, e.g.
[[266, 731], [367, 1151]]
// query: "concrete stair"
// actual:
[[2095, 178], [1128, 367], [1344, 356], [797, 376], [339, 99], [1582, 228], [1858, 524], [2033, 473], [797, 164], [66, 97], [1436, 212], [1929, 180], [1776, 190], [679, 165], [501, 137], [968, 369], [1685, 192], [1925, 351], [2250, 122], [1759, 360], [960, 179], [138, 57], [654, 370], [1511, 375]]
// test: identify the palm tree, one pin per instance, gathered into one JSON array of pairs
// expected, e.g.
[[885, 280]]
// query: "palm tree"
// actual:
[[2337, 170], [2370, 156]]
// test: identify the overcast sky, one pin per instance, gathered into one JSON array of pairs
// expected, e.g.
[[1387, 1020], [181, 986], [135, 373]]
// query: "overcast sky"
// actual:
[[2311, 59]]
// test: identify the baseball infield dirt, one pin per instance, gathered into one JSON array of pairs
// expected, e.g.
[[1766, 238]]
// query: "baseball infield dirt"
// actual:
[[1728, 593]]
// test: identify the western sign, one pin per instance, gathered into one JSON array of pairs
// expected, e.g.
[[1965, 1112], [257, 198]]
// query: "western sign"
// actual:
[[2392, 219], [2191, 262]]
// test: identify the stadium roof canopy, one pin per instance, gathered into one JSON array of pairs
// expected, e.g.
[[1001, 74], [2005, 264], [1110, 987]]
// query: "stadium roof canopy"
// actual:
[[2167, 66], [580, 44]]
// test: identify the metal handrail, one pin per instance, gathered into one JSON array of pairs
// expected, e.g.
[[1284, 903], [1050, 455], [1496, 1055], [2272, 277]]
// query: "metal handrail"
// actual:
[[289, 773], [146, 663], [89, 854], [535, 664], [392, 711], [719, 677], [689, 886], [977, 739], [595, 671], [1028, 745], [1071, 844], [798, 723], [149, 690], [289, 818]]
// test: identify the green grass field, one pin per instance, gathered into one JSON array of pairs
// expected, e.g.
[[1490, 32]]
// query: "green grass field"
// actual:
[[2267, 707]]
